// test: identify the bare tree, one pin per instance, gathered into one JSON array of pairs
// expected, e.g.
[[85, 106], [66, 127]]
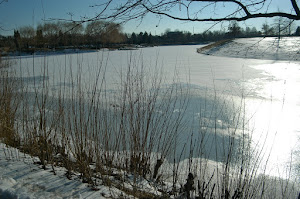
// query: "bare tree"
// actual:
[[267, 30], [112, 34], [70, 28], [95, 28], [104, 32], [93, 32], [27, 32], [192, 10], [282, 26], [234, 29], [49, 29]]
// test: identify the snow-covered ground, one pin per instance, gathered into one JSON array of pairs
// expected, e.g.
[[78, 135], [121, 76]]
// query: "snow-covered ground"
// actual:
[[21, 177], [272, 48], [269, 79]]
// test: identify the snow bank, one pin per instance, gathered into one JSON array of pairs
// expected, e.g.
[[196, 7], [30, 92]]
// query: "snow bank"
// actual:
[[271, 48], [21, 177]]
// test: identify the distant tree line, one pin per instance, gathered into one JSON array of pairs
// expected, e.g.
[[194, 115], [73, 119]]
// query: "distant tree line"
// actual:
[[233, 31], [99, 34], [55, 35]]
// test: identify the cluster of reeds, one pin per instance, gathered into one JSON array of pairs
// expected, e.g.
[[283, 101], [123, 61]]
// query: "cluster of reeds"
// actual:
[[122, 138], [9, 103]]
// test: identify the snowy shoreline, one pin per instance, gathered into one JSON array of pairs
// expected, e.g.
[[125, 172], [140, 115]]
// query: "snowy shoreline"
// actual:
[[270, 48], [22, 177]]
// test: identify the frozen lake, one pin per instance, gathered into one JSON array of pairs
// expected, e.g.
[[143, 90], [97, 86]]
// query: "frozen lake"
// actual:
[[265, 92]]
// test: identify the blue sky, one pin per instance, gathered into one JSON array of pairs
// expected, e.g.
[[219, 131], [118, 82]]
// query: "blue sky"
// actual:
[[17, 13]]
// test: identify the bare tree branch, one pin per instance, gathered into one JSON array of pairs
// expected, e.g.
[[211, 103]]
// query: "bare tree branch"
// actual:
[[232, 1], [250, 16], [3, 1], [189, 10], [296, 8], [245, 10]]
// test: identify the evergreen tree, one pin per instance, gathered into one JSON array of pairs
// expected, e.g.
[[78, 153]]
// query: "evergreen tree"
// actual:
[[234, 29], [297, 33], [17, 38], [150, 39], [133, 38], [39, 38], [140, 38], [145, 38]]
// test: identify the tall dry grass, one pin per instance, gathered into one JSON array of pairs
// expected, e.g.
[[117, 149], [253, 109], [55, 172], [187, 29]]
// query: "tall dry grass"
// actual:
[[9, 103], [136, 134]]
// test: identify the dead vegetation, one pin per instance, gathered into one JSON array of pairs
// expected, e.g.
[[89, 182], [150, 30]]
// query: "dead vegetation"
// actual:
[[128, 143]]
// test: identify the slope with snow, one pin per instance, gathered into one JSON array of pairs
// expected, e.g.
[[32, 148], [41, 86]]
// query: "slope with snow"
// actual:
[[270, 48], [22, 177]]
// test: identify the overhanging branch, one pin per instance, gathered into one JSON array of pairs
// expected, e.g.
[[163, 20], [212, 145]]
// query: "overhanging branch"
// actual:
[[243, 18], [134, 9], [3, 1], [244, 8], [296, 8]]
